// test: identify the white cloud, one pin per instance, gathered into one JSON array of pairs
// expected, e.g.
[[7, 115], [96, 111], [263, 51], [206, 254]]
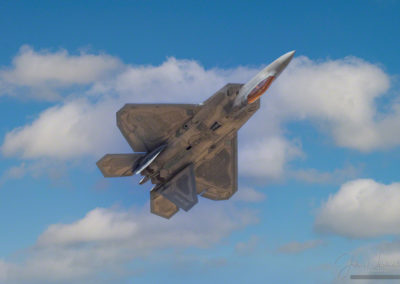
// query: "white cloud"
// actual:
[[3, 270], [98, 225], [55, 170], [71, 130], [266, 158], [336, 176], [248, 194], [361, 208], [340, 97], [298, 247], [16, 172], [248, 247], [43, 72], [175, 80], [105, 241]]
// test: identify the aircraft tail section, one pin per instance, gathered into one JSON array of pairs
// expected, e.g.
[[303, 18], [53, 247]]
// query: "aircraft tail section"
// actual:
[[161, 206], [119, 165], [180, 191], [217, 173]]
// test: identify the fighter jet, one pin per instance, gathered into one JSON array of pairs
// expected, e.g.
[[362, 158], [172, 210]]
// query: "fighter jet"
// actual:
[[187, 150]]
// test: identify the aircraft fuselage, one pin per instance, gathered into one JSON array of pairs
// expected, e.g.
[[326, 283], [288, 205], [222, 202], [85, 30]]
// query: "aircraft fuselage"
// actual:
[[215, 120]]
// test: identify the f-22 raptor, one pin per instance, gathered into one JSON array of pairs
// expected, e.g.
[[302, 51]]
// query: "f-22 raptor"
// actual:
[[189, 149]]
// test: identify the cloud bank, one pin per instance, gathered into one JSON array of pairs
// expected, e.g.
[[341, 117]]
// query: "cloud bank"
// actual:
[[40, 75], [248, 194], [337, 96], [361, 208], [104, 243]]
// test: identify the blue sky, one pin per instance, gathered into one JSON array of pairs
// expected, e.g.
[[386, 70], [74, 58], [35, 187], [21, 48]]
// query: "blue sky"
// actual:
[[318, 162]]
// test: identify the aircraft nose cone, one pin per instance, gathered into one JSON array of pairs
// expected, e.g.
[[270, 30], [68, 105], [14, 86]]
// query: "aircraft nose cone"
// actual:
[[253, 89], [289, 55], [282, 62]]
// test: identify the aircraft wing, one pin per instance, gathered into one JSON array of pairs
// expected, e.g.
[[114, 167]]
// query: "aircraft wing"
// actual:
[[216, 175], [146, 126]]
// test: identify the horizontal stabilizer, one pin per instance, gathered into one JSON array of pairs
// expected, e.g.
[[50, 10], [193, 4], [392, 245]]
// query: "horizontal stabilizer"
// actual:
[[118, 165], [161, 206]]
